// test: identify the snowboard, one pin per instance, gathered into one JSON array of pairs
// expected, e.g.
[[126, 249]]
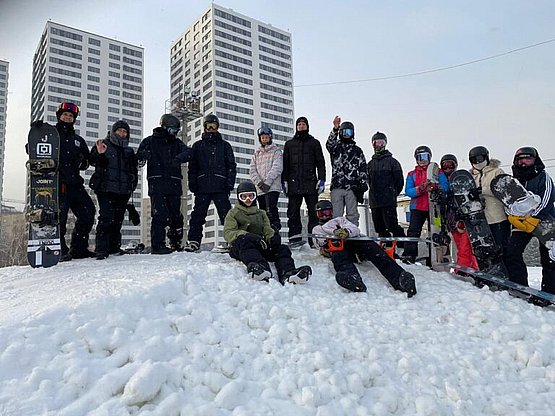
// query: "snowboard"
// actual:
[[487, 252], [43, 146], [510, 191], [365, 238], [436, 225]]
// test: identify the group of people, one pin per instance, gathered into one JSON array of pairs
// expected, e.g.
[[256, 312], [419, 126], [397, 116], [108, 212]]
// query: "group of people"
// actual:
[[299, 171]]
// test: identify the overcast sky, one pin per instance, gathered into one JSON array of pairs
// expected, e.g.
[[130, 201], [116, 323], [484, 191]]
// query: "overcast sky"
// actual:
[[502, 103]]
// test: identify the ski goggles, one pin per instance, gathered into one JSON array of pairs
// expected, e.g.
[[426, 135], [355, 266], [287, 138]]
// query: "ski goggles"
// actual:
[[70, 107], [525, 160], [244, 196], [211, 125], [448, 165], [378, 144], [423, 156], [477, 159], [347, 133], [324, 213]]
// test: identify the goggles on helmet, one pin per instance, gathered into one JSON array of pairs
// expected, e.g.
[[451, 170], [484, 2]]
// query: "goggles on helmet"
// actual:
[[525, 159], [423, 156], [211, 125], [477, 159], [243, 196], [347, 133], [70, 107], [323, 214]]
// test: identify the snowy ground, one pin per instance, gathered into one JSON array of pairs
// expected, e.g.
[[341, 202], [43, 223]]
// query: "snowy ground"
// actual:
[[190, 334]]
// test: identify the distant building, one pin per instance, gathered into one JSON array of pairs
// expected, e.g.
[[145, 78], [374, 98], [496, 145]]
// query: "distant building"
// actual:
[[103, 76], [242, 70], [4, 72]]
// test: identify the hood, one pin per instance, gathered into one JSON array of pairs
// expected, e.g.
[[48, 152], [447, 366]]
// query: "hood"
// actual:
[[116, 140]]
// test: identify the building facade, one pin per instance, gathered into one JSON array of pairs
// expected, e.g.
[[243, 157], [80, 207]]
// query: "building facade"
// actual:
[[4, 77], [103, 76], [241, 69]]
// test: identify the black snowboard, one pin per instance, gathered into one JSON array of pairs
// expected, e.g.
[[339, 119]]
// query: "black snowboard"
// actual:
[[509, 190], [488, 254], [43, 146]]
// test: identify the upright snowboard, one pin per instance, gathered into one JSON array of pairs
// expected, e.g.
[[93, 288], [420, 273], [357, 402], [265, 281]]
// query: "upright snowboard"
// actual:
[[43, 146], [510, 192], [487, 253], [438, 232]]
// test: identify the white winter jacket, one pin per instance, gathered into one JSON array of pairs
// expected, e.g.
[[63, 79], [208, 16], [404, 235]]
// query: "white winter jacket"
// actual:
[[334, 224], [495, 212]]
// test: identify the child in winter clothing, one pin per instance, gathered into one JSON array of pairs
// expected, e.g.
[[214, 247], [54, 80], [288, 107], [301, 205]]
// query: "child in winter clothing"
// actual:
[[417, 187], [344, 254], [454, 224], [265, 171], [349, 172], [254, 242], [114, 180]]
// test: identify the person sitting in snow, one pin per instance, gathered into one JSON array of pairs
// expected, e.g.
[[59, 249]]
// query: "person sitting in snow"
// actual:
[[344, 253], [254, 242]]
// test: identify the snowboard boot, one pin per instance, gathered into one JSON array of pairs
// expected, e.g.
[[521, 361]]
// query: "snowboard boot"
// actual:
[[350, 280], [82, 254], [299, 275], [176, 246], [408, 259], [101, 256], [161, 250], [259, 272], [65, 257], [407, 284], [192, 246]]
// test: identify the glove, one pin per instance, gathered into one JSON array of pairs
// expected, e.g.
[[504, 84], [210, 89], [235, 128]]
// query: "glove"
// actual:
[[133, 214], [275, 240], [423, 187], [37, 123], [474, 194], [321, 186], [341, 233], [284, 187], [432, 186], [526, 224], [263, 187]]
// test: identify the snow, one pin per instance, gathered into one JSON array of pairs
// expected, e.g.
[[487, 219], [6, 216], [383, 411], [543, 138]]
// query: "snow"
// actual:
[[191, 334]]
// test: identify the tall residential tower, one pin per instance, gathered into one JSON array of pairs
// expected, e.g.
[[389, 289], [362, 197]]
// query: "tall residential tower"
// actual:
[[4, 72], [242, 70], [103, 76]]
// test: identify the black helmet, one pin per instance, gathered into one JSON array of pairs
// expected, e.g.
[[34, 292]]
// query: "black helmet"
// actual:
[[526, 151], [422, 149], [211, 118], [170, 123], [67, 107], [324, 211], [379, 136], [246, 186], [449, 156], [478, 154], [323, 204], [265, 130], [347, 130]]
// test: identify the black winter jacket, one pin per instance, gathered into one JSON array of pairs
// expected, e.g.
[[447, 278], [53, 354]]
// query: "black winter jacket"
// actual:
[[164, 154], [541, 185], [115, 170], [303, 164], [385, 180], [74, 155], [212, 168], [349, 170]]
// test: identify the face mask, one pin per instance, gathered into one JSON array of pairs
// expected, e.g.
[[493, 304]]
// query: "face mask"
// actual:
[[480, 165]]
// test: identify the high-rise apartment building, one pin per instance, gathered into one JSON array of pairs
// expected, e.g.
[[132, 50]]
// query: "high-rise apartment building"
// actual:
[[242, 70], [4, 72], [103, 76]]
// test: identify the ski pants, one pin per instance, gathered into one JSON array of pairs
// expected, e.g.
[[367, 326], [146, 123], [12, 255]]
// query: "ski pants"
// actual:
[[465, 257], [165, 211], [386, 223], [354, 251], [501, 232], [417, 220], [294, 213], [200, 210], [75, 198], [111, 213], [514, 261], [345, 200], [246, 248], [269, 203]]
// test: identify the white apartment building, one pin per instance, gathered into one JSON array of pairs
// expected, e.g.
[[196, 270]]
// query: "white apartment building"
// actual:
[[4, 72], [242, 70], [103, 76]]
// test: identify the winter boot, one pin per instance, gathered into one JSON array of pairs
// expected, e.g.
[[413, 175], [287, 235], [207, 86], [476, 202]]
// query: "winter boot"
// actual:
[[350, 280], [161, 250], [192, 246], [176, 246], [258, 271], [299, 275], [101, 256], [407, 284]]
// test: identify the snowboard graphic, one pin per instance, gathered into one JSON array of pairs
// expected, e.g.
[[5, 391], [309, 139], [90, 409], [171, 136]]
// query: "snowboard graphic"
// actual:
[[487, 253], [43, 146]]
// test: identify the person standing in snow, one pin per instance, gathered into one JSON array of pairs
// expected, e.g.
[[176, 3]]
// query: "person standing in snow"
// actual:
[[303, 177], [165, 152], [265, 171], [529, 169], [345, 253], [254, 242], [349, 171], [417, 187], [113, 181], [455, 225], [484, 170]]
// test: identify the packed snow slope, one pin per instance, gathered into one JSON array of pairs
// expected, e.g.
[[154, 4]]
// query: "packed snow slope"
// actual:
[[191, 334]]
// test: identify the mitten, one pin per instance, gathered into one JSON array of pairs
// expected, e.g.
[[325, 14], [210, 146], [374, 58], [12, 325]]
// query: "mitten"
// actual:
[[341, 233]]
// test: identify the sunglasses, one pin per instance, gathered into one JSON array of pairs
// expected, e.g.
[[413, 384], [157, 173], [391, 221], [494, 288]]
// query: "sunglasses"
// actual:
[[477, 159], [423, 156], [211, 125], [72, 108], [324, 213], [347, 133], [243, 196]]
